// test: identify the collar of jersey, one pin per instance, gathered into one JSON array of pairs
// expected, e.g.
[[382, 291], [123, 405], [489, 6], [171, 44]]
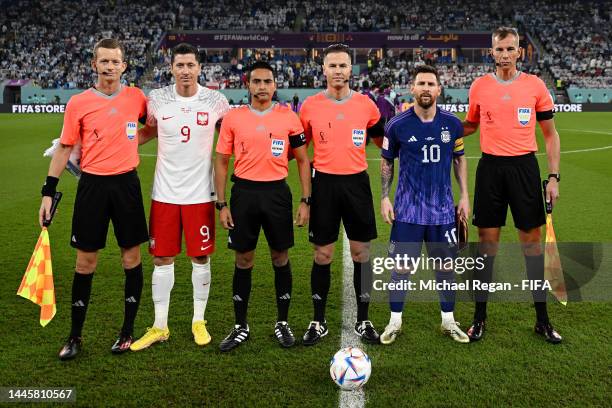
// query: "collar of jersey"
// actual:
[[188, 98], [509, 81], [264, 112], [339, 101], [103, 95]]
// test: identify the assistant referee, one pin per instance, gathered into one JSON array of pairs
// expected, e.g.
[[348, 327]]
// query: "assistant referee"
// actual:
[[507, 104], [104, 120]]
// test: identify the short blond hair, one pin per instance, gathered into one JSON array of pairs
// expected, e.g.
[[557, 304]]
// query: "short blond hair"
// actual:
[[502, 32], [110, 43]]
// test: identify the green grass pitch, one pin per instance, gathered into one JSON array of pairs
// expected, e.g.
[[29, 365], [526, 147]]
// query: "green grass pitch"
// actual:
[[510, 367]]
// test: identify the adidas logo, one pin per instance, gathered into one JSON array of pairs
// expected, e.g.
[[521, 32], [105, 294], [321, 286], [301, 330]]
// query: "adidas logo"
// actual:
[[310, 234], [229, 239], [131, 299], [73, 238], [237, 298], [412, 139], [364, 296], [78, 303], [286, 296], [316, 297]]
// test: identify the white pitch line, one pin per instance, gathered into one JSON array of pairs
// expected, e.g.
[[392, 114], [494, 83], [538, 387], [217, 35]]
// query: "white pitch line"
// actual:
[[349, 399], [594, 149], [598, 132]]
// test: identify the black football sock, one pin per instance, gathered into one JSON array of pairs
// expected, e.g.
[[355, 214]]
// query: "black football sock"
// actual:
[[535, 273], [81, 291], [362, 282], [320, 279], [133, 290], [283, 284], [481, 296], [241, 292]]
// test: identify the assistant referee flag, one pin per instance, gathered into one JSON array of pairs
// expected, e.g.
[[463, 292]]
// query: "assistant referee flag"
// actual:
[[37, 282]]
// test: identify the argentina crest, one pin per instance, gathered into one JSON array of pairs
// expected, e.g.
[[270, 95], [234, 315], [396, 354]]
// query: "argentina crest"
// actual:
[[524, 115], [278, 147], [445, 136]]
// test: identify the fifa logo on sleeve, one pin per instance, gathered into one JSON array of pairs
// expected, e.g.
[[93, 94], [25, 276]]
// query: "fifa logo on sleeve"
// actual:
[[278, 147], [130, 129], [524, 115], [358, 137]]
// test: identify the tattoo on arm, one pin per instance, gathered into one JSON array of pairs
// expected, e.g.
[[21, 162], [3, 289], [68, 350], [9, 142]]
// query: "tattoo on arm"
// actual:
[[386, 176]]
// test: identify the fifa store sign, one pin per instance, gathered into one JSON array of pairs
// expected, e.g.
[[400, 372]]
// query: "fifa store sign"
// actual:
[[47, 108], [450, 107], [464, 107]]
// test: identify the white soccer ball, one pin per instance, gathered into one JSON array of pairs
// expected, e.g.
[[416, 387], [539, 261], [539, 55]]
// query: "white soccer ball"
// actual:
[[350, 368]]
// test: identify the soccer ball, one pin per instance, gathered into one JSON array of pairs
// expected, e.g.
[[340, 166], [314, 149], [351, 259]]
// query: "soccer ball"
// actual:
[[350, 368]]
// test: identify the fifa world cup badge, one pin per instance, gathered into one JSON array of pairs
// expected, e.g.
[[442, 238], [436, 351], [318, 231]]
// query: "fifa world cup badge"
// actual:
[[358, 137], [130, 129], [524, 115]]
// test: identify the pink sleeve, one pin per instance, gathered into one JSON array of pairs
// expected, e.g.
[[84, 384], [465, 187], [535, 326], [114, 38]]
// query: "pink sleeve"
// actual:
[[225, 144], [473, 114]]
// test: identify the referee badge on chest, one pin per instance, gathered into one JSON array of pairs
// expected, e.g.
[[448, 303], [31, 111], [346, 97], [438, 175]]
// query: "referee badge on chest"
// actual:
[[131, 128], [278, 147], [359, 136], [524, 115], [202, 118]]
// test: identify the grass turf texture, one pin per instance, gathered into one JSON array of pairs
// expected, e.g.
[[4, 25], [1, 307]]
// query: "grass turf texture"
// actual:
[[511, 366]]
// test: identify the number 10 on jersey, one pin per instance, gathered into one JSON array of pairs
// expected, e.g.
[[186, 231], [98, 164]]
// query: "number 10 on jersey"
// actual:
[[431, 154]]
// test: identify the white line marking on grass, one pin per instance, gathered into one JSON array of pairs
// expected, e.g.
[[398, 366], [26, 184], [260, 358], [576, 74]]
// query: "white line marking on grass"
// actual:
[[598, 132], [349, 399], [594, 149]]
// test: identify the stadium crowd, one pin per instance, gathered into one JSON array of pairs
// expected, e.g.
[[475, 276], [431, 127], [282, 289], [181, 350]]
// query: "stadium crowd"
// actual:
[[38, 40], [577, 42]]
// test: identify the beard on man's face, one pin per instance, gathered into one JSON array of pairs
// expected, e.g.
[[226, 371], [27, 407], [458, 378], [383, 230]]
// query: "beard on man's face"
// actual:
[[425, 100]]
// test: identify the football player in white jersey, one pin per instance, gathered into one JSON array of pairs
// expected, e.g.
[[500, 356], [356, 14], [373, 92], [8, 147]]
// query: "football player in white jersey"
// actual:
[[183, 117]]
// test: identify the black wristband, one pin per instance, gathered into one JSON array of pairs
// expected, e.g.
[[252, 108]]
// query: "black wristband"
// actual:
[[48, 189], [220, 205], [305, 200]]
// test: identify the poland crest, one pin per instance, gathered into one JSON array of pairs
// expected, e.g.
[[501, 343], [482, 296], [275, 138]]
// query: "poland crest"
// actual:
[[202, 118]]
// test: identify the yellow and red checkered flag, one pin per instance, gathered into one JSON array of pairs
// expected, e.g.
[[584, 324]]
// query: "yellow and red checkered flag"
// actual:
[[553, 272], [37, 282]]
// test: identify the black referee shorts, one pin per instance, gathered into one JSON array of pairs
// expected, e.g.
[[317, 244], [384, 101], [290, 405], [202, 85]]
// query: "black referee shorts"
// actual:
[[341, 197], [508, 180], [260, 204], [101, 199]]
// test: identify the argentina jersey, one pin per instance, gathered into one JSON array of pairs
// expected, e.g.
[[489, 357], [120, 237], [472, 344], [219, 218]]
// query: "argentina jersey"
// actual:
[[424, 192]]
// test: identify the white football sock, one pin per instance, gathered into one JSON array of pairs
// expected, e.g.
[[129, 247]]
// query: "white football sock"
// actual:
[[396, 318], [447, 317], [200, 278], [162, 283]]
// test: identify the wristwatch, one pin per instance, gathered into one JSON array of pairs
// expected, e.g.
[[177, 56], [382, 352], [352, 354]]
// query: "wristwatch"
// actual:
[[555, 175], [219, 205], [305, 200]]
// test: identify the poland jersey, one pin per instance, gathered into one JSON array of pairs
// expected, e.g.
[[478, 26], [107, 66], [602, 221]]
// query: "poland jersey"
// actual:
[[185, 136]]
